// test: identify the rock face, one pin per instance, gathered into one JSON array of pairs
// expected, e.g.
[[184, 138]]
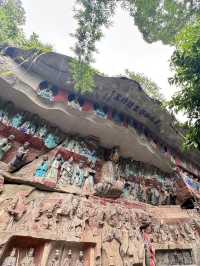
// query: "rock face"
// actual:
[[90, 180]]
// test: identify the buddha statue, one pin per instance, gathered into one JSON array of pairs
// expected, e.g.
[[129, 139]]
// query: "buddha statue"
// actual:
[[28, 260], [67, 171], [20, 158], [18, 119], [54, 168], [52, 139], [11, 260], [42, 169], [80, 260], [56, 259], [68, 260], [78, 175], [6, 145]]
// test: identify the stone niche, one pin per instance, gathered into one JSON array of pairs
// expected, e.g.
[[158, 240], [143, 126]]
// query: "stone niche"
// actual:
[[175, 257], [28, 251]]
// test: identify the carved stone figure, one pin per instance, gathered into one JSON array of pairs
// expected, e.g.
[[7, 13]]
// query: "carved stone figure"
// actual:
[[67, 171], [28, 260], [110, 170], [20, 158], [11, 260], [28, 127], [42, 169], [55, 166], [78, 175], [68, 260], [80, 260], [56, 259], [89, 179], [187, 256], [6, 145], [52, 139], [42, 130], [17, 120]]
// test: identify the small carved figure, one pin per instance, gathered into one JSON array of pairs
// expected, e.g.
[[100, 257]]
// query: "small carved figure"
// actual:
[[28, 260], [17, 120], [52, 139], [110, 170], [78, 176], [89, 179], [28, 127], [80, 261], [42, 169], [66, 174], [11, 260], [56, 259], [42, 130], [53, 172], [20, 158], [6, 145], [68, 260]]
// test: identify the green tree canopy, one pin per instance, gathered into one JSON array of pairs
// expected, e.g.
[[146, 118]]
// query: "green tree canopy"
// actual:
[[186, 65], [148, 85], [156, 20], [12, 20]]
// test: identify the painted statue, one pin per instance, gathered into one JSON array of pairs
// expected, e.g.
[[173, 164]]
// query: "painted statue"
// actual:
[[52, 139], [18, 119], [89, 178], [42, 169], [66, 174], [6, 145], [28, 260], [6, 114], [56, 259], [20, 158], [28, 127], [11, 260], [46, 93], [78, 175], [53, 173], [110, 170], [42, 130], [68, 260], [80, 260]]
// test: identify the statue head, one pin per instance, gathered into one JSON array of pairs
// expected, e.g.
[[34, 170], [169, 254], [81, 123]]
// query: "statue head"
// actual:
[[11, 137], [12, 253], [69, 253], [57, 254], [81, 254], [31, 252], [115, 155], [26, 145], [45, 158], [58, 156]]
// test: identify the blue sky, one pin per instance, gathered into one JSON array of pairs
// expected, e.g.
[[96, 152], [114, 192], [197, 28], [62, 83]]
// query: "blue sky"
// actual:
[[121, 48]]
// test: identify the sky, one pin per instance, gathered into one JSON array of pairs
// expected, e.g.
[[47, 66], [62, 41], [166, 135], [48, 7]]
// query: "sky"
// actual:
[[121, 48]]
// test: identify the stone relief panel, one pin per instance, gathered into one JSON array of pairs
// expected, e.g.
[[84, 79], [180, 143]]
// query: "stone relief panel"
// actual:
[[109, 227], [174, 257], [73, 161]]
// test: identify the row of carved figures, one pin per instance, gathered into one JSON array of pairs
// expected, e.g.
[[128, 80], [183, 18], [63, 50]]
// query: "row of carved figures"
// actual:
[[30, 124], [66, 172], [174, 257], [29, 260], [150, 194]]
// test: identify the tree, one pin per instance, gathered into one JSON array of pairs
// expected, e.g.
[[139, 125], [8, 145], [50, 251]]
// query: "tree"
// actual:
[[185, 63], [12, 18], [156, 20], [149, 86]]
